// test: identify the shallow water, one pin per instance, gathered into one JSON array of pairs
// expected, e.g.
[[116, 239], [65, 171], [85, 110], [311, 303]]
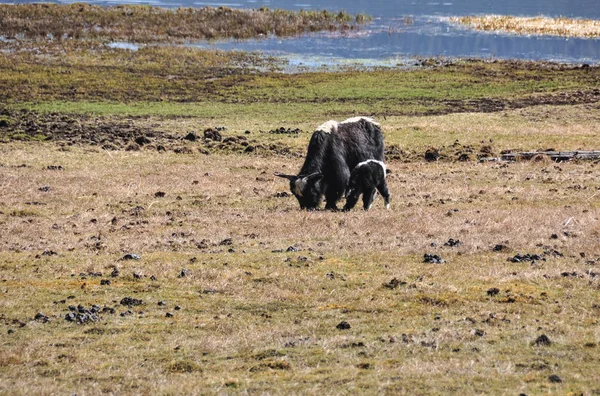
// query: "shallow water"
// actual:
[[405, 29]]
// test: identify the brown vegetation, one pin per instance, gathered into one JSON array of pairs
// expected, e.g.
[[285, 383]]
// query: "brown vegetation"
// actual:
[[566, 27], [138, 23]]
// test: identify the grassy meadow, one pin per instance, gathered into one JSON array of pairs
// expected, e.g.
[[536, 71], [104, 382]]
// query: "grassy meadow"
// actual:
[[141, 254]]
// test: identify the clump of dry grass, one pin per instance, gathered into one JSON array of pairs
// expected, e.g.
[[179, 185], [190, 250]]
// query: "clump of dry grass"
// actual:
[[566, 27], [140, 23]]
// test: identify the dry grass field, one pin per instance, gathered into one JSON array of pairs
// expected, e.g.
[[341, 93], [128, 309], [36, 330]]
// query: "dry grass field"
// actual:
[[139, 255], [240, 291]]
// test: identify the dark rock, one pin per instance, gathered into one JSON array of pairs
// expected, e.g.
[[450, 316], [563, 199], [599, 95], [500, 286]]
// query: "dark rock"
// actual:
[[527, 257], [453, 242], [500, 248], [493, 291], [343, 325], [141, 140], [432, 154], [212, 134], [10, 331], [478, 332], [131, 301], [291, 249], [192, 136], [394, 283], [177, 307], [542, 340], [161, 303], [433, 259], [130, 256], [555, 379], [152, 278], [55, 167], [44, 189], [159, 194], [126, 313], [283, 194], [226, 242], [114, 273], [184, 273], [105, 282], [40, 317], [169, 315], [553, 236]]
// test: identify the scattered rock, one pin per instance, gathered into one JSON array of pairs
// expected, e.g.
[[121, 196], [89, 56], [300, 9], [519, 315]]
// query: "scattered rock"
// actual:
[[55, 167], [555, 379], [499, 248], [105, 282], [141, 140], [44, 189], [159, 194], [453, 242], [432, 154], [130, 256], [192, 136], [291, 249], [343, 325], [184, 273], [478, 332], [177, 308], [542, 340], [212, 134], [283, 194], [527, 257], [82, 315], [284, 131], [115, 272], [433, 259], [226, 242], [394, 283], [131, 301], [40, 317], [493, 291], [169, 315]]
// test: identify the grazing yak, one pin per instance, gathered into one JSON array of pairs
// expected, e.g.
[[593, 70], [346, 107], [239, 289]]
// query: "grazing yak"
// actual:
[[367, 178], [335, 149]]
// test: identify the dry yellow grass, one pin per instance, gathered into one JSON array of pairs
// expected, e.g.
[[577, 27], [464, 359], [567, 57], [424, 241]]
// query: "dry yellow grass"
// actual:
[[566, 27], [255, 318]]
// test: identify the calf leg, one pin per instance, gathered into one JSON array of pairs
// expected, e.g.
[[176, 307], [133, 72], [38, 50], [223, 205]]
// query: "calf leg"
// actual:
[[351, 200], [368, 198], [385, 193]]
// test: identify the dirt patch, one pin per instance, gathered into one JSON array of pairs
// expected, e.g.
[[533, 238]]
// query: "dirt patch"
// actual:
[[124, 133]]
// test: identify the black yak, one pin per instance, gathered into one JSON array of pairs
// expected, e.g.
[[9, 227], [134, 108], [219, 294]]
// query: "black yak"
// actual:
[[367, 178], [335, 148]]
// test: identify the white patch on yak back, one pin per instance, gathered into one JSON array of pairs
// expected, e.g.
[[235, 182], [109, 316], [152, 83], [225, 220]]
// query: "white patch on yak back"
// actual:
[[299, 186], [356, 119], [328, 127], [380, 163]]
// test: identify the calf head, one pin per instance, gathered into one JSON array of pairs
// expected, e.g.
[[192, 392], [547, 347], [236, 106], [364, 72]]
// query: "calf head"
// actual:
[[306, 189]]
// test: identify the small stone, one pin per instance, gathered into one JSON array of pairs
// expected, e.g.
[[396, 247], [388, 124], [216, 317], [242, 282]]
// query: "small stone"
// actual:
[[542, 340], [114, 273], [161, 303], [159, 194], [169, 315], [40, 317], [493, 291], [343, 325], [177, 307], [130, 256], [555, 379], [433, 259]]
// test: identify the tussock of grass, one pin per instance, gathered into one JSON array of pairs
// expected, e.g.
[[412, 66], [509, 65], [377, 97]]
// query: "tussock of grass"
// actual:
[[566, 27], [143, 24]]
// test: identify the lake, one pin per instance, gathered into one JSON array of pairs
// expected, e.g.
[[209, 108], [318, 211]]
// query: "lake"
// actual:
[[404, 30]]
